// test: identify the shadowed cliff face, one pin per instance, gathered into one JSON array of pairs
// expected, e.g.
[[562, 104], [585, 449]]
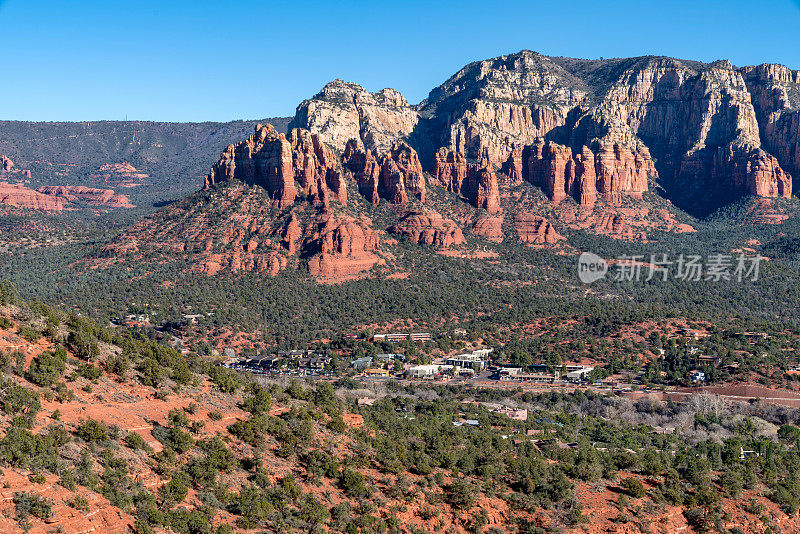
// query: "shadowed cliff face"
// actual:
[[708, 133]]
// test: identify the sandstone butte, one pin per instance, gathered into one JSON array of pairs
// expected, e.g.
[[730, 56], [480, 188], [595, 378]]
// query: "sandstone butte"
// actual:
[[19, 196], [88, 195]]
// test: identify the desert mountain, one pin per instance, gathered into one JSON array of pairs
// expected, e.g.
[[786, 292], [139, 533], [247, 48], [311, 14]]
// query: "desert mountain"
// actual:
[[522, 147], [582, 128]]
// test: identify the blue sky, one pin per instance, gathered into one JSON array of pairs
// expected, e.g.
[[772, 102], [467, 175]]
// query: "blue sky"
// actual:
[[238, 59]]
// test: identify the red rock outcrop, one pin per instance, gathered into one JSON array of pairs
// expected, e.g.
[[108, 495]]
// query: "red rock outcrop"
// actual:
[[490, 227], [491, 106], [758, 173], [364, 167], [475, 182], [292, 234], [611, 171], [345, 248], [775, 91], [535, 230], [267, 158], [120, 175], [19, 196], [316, 167], [391, 176], [87, 195], [8, 171], [429, 228]]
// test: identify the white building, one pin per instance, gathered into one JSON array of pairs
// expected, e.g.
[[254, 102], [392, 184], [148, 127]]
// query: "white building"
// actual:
[[426, 371]]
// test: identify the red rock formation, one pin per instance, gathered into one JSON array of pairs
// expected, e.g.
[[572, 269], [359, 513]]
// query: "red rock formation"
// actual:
[[551, 166], [278, 164], [407, 162], [514, 165], [292, 233], [490, 227], [429, 228], [265, 159], [316, 167], [391, 176], [120, 175], [622, 169], [8, 171], [87, 195], [345, 248], [758, 174], [475, 182], [774, 90], [365, 169], [535, 230], [19, 196], [614, 170]]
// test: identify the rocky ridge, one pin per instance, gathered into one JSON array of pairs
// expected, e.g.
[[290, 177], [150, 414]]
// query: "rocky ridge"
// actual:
[[696, 128], [91, 196]]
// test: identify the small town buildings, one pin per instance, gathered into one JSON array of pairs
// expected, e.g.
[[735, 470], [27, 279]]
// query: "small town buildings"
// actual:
[[509, 373], [394, 338], [427, 371], [520, 414], [467, 361], [378, 373], [579, 375]]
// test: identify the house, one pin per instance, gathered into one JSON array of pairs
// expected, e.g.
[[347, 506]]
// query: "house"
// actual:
[[459, 332], [709, 359], [362, 363], [469, 422], [535, 377], [697, 376], [315, 364], [386, 358]]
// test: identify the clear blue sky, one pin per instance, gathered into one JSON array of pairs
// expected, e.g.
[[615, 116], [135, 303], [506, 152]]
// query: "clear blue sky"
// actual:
[[234, 59]]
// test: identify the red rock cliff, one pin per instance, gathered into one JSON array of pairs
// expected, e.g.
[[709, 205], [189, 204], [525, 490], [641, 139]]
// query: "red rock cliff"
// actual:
[[475, 182]]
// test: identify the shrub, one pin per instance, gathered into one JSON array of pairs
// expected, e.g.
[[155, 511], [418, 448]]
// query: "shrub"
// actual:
[[47, 367], [137, 442], [92, 430], [80, 503], [29, 503], [634, 487], [88, 371]]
